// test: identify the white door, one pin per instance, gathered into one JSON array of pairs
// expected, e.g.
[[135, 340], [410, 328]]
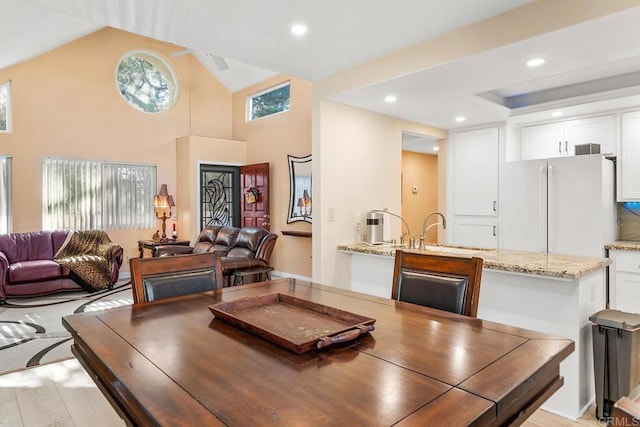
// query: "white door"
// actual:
[[475, 172], [624, 281], [543, 141], [627, 293], [629, 159], [523, 206], [576, 209]]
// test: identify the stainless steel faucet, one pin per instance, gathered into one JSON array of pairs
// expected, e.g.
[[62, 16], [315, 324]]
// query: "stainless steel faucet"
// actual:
[[423, 236]]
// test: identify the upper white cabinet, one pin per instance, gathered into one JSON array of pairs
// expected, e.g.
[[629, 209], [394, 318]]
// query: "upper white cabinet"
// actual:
[[542, 141], [560, 138], [629, 158], [475, 171]]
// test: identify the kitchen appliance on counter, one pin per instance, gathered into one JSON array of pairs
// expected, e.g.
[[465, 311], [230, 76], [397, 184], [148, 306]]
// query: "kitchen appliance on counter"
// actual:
[[563, 205], [374, 230]]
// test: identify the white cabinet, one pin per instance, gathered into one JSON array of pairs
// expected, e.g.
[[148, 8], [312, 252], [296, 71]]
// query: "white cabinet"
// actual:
[[475, 172], [475, 157], [542, 141], [624, 281], [629, 159], [475, 233], [560, 138]]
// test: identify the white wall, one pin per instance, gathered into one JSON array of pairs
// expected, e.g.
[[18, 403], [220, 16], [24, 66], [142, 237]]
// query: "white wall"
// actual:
[[357, 167]]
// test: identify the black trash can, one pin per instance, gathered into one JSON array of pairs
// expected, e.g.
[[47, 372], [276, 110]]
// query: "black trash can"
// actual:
[[616, 357]]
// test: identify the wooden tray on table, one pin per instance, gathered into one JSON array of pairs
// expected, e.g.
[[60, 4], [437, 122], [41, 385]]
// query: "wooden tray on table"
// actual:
[[296, 324]]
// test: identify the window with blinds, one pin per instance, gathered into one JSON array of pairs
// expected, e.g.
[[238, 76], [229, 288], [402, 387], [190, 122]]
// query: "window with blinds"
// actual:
[[97, 195], [5, 194]]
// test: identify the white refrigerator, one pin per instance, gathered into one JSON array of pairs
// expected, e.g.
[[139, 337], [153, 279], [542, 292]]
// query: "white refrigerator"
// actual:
[[562, 205]]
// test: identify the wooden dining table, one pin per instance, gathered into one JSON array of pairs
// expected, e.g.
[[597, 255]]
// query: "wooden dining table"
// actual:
[[171, 362]]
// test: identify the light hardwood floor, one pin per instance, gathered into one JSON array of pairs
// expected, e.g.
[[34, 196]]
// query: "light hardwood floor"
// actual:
[[62, 395], [59, 394]]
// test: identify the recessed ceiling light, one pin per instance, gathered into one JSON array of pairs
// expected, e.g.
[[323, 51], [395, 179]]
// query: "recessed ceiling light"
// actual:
[[460, 119], [556, 114], [299, 29], [390, 98], [535, 62], [436, 148]]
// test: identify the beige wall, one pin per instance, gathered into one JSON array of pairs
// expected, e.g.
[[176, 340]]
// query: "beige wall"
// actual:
[[421, 170], [66, 104], [270, 139]]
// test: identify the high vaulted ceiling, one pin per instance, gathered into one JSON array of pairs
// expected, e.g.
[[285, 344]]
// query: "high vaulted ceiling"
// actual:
[[254, 38]]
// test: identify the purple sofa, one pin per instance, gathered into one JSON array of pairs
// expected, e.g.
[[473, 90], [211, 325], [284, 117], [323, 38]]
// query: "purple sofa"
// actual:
[[27, 267]]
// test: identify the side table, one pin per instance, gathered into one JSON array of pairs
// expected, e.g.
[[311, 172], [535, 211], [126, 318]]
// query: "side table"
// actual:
[[153, 244]]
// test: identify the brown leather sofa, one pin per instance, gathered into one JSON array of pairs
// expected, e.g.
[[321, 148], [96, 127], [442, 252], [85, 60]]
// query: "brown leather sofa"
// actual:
[[244, 249], [27, 266]]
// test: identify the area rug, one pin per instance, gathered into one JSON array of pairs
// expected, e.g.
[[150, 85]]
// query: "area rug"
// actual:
[[31, 331]]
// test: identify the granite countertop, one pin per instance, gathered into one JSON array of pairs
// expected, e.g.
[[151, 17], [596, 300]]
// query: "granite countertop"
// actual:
[[535, 263], [624, 245]]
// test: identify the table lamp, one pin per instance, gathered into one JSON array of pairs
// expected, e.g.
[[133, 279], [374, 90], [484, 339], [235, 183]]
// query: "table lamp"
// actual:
[[162, 203]]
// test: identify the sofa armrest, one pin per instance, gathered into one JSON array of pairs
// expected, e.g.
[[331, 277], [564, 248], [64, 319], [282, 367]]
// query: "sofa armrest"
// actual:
[[4, 268], [170, 250], [265, 249]]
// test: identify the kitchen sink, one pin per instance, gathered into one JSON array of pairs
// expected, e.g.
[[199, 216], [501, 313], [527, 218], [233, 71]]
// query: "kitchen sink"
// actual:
[[451, 250], [390, 245], [429, 248]]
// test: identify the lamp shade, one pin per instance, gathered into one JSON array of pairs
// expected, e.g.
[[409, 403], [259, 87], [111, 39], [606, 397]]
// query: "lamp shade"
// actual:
[[163, 191], [163, 199]]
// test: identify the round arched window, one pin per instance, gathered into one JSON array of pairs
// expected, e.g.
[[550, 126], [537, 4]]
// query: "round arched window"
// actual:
[[147, 81]]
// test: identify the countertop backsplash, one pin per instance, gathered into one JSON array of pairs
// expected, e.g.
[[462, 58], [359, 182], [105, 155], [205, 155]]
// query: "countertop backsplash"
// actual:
[[629, 222]]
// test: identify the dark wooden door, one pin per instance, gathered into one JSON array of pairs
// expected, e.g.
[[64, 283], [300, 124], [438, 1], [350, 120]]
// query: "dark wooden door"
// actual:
[[254, 181]]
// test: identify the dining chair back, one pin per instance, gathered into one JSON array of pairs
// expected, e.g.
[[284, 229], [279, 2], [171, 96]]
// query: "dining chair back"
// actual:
[[165, 277], [443, 282]]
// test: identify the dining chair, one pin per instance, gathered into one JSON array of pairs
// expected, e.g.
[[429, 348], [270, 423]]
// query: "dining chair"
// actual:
[[449, 283], [164, 277]]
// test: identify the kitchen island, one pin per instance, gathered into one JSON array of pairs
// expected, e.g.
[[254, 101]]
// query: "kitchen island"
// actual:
[[548, 293]]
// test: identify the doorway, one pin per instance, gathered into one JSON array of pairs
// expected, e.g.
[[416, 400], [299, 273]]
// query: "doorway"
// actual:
[[219, 195], [419, 181], [234, 196]]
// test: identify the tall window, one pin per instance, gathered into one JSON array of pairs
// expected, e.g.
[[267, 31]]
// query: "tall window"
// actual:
[[89, 195], [5, 194], [5, 107], [270, 101]]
